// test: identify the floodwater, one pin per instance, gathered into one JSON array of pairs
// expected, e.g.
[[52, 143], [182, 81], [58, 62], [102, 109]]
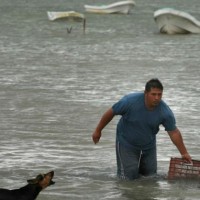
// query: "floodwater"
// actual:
[[54, 87]]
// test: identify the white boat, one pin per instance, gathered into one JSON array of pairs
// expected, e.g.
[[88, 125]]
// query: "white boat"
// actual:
[[71, 15], [171, 21], [122, 7], [67, 15]]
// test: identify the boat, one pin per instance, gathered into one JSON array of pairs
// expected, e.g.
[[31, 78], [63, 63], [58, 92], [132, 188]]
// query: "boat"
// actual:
[[68, 16], [122, 7], [171, 21]]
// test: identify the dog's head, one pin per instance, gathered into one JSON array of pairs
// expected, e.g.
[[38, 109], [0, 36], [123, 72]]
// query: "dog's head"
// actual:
[[43, 180]]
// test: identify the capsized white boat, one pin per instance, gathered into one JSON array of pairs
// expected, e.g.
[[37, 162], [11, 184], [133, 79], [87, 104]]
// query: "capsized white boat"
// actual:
[[67, 15], [171, 21], [122, 7]]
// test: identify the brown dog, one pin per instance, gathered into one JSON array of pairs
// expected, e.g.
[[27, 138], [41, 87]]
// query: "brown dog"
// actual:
[[29, 191]]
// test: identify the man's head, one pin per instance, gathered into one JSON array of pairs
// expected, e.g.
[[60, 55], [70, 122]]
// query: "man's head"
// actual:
[[153, 93], [153, 83]]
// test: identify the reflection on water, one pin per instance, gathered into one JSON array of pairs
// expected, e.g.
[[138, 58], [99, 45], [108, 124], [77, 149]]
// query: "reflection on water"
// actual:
[[55, 86]]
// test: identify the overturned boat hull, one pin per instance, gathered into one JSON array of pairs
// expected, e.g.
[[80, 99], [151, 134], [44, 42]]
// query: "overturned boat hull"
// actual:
[[171, 21], [122, 7], [68, 16]]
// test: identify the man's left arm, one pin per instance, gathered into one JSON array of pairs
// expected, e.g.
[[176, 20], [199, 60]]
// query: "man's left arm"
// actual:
[[177, 139]]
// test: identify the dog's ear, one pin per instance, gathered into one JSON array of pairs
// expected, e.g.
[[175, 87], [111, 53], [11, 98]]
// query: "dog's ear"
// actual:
[[32, 181], [36, 180]]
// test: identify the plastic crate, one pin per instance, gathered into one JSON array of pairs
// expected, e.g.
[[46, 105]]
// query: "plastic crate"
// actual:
[[178, 168]]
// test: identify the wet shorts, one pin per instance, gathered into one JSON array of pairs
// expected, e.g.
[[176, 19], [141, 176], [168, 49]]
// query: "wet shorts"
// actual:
[[131, 164]]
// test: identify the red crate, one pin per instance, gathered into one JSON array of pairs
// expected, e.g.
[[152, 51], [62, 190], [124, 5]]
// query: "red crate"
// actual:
[[178, 168]]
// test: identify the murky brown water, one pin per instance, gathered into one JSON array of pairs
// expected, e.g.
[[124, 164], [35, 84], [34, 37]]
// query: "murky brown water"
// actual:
[[55, 86]]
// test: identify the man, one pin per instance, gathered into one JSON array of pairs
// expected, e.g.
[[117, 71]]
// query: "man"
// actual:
[[141, 116]]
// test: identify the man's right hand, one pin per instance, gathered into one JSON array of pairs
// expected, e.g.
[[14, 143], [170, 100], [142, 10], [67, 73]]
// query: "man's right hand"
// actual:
[[96, 137]]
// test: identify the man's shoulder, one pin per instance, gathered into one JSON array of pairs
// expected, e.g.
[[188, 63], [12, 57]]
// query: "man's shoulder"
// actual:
[[135, 95], [135, 98], [165, 108], [163, 104]]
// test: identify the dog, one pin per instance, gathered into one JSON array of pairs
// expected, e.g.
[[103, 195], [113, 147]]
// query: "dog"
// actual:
[[29, 191]]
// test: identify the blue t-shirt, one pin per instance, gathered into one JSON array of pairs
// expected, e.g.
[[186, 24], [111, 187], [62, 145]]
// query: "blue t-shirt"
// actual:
[[138, 126]]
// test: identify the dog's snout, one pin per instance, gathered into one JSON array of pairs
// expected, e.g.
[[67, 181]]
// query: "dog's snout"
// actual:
[[52, 173]]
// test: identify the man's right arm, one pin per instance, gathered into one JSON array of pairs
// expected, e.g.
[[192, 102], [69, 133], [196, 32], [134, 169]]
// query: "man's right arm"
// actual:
[[106, 118]]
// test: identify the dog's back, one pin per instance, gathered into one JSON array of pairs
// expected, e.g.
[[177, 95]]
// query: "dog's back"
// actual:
[[6, 194], [29, 191]]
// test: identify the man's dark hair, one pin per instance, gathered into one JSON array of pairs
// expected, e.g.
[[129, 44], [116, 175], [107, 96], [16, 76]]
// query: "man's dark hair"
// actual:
[[153, 83]]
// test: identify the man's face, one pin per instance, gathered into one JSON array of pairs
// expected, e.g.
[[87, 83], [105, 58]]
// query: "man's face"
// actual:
[[153, 98]]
